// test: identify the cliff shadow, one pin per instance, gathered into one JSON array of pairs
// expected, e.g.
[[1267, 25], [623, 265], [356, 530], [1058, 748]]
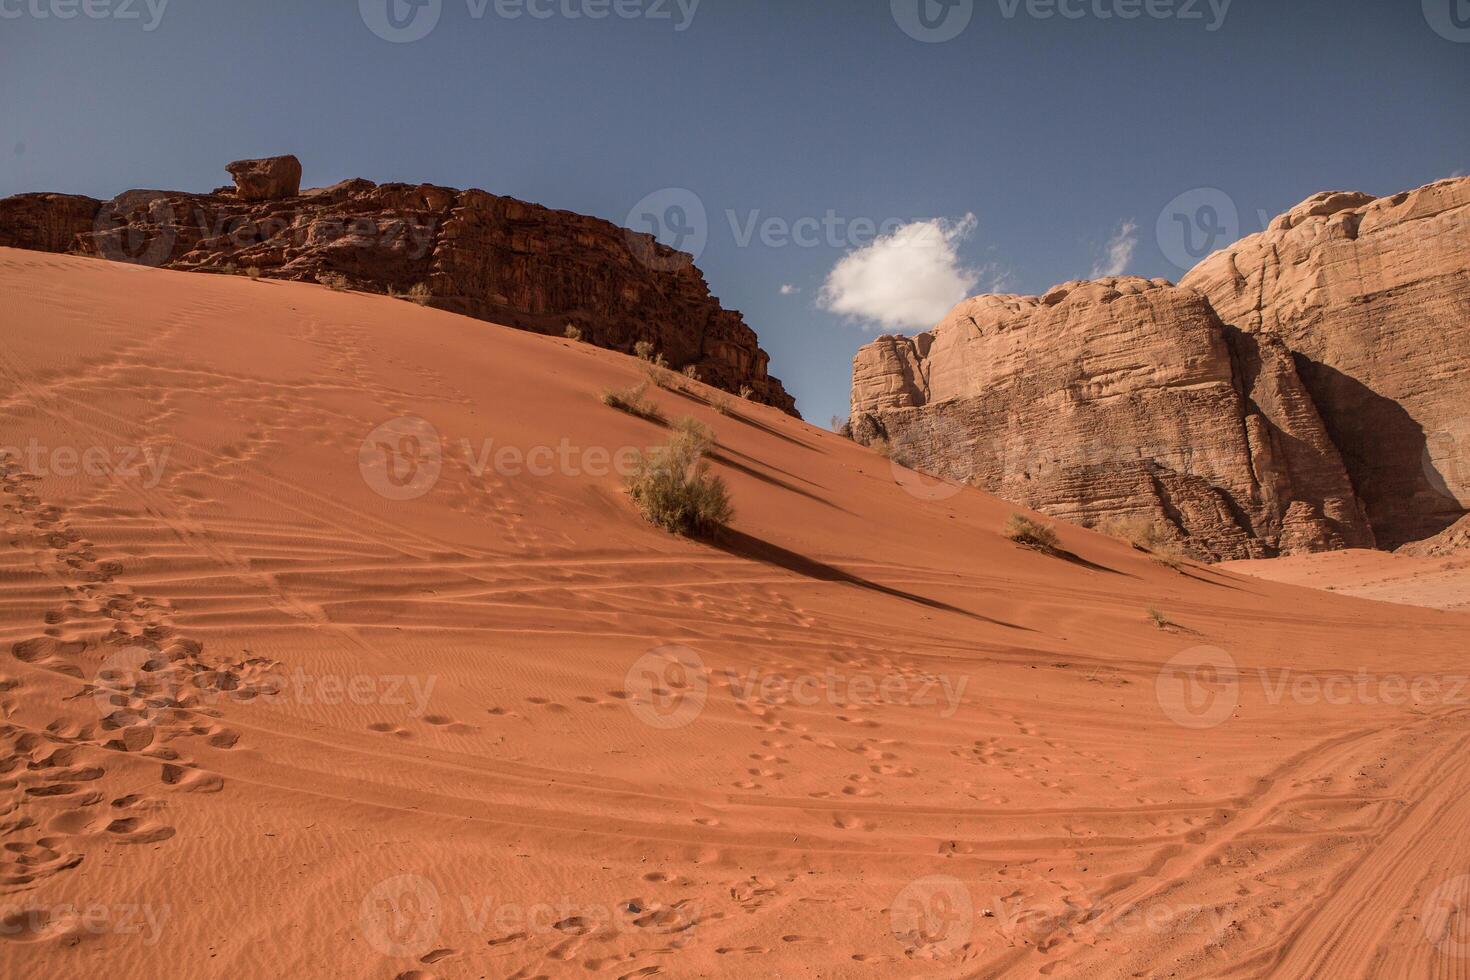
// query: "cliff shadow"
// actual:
[[1386, 454]]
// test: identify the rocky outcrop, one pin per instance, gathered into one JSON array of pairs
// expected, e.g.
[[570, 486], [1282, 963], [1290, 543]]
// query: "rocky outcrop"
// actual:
[[1373, 297], [1302, 390], [1115, 401], [491, 257], [45, 222], [267, 179]]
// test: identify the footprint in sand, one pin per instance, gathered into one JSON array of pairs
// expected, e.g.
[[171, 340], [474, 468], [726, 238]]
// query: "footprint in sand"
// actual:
[[191, 780], [450, 725]]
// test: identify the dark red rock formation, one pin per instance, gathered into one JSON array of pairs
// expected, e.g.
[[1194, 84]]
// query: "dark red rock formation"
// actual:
[[490, 257]]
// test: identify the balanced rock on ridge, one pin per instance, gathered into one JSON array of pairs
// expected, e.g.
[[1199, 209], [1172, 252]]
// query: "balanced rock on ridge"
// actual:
[[1117, 400], [266, 179], [491, 257]]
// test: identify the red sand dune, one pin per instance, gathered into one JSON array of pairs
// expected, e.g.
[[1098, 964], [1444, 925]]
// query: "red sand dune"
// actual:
[[293, 689]]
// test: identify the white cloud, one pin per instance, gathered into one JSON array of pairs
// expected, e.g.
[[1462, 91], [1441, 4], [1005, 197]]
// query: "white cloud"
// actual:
[[908, 279], [1118, 252], [787, 289]]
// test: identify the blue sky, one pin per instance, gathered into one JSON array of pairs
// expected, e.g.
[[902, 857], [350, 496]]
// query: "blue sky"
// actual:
[[1042, 142]]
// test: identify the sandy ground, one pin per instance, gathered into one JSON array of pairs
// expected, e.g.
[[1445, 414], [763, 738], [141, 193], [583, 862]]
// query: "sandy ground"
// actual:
[[314, 662], [1439, 583]]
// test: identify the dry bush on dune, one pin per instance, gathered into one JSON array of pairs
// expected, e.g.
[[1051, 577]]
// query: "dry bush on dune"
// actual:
[[656, 370], [572, 332], [1032, 534], [1146, 536], [632, 401], [420, 294], [673, 488], [334, 281]]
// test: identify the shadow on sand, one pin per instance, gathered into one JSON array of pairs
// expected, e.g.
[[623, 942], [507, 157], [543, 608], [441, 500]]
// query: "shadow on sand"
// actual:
[[752, 548]]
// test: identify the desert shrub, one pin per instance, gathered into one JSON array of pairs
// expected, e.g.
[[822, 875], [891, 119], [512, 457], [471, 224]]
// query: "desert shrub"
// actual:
[[334, 281], [229, 268], [746, 391], [572, 332], [644, 350], [673, 487], [1158, 618], [882, 447], [691, 372], [656, 370], [420, 293], [720, 402], [1032, 534], [1146, 536], [632, 401], [252, 272]]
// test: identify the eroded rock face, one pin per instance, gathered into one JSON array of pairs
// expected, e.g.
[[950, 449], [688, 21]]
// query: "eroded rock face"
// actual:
[[1114, 401], [45, 222], [1373, 297], [494, 258], [1306, 389], [266, 179]]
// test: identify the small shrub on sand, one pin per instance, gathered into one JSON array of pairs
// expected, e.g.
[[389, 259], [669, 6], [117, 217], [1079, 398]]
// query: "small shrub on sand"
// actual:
[[1032, 534], [691, 372], [1147, 536], [656, 370], [746, 391], [572, 332], [720, 401], [252, 273], [882, 447], [644, 350], [1158, 618], [673, 488], [420, 294], [632, 401], [229, 268], [334, 281]]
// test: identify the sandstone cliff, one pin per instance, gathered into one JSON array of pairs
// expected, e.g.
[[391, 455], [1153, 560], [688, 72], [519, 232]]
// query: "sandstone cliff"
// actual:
[[490, 257], [1373, 297], [1304, 389], [1116, 400]]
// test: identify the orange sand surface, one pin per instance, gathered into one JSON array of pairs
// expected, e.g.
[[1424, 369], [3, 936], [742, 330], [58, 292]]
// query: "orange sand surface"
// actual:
[[1440, 583], [301, 675]]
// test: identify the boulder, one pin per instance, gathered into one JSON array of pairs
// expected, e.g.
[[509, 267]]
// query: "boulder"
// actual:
[[266, 179]]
